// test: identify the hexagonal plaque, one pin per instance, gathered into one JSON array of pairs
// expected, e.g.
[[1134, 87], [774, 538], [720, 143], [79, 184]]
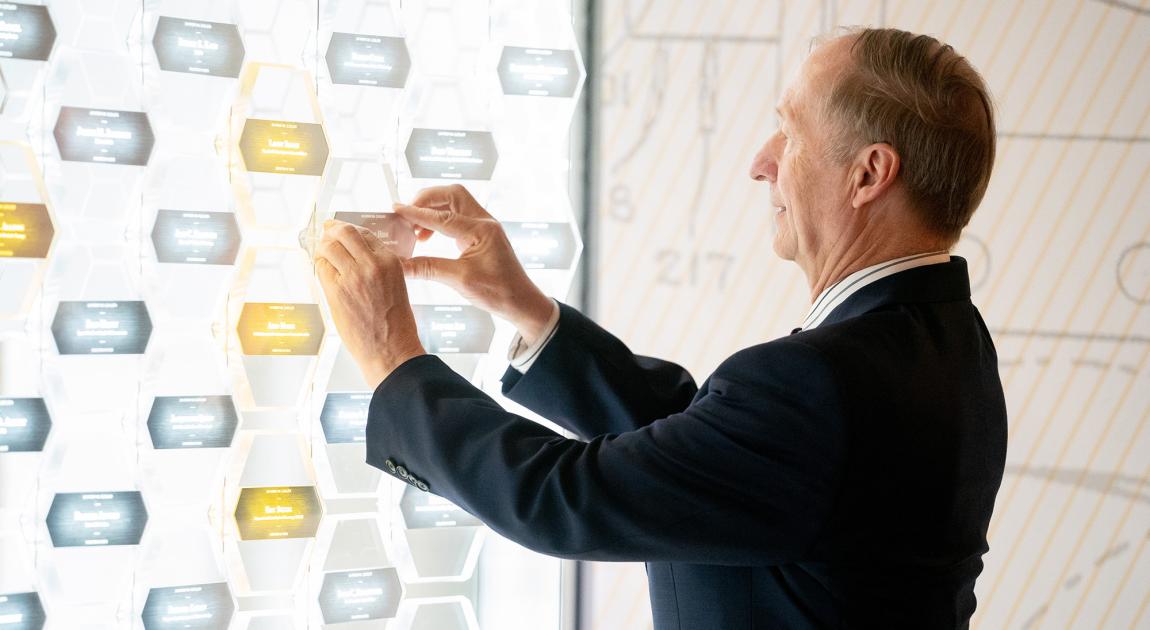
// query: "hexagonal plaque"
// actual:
[[101, 327], [198, 47], [369, 60], [22, 609], [451, 154], [192, 422], [542, 245], [360, 595], [96, 519], [538, 72], [192, 606], [278, 512], [26, 230], [283, 147], [29, 32], [396, 233], [104, 136], [344, 417], [198, 238], [24, 424], [453, 328], [274, 328]]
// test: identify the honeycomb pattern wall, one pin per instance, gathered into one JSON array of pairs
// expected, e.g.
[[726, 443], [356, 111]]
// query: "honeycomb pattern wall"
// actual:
[[181, 433]]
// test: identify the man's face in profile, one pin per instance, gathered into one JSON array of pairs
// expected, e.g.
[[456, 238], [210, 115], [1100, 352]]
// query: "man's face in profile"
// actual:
[[808, 188]]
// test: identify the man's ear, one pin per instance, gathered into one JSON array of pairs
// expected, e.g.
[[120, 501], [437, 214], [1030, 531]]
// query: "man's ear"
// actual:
[[875, 171]]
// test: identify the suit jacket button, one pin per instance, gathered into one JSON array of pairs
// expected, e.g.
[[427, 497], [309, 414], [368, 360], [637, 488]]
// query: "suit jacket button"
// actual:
[[421, 485], [390, 466], [402, 472]]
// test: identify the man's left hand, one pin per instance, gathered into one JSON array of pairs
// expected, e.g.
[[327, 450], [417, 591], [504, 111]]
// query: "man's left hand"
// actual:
[[364, 286]]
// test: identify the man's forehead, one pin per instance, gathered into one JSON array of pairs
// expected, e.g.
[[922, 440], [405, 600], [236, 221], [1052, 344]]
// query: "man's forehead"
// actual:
[[814, 77]]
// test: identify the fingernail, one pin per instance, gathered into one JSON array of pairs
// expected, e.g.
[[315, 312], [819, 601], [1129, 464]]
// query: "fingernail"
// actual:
[[327, 223]]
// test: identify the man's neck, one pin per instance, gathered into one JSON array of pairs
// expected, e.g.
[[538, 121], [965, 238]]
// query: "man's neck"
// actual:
[[863, 250]]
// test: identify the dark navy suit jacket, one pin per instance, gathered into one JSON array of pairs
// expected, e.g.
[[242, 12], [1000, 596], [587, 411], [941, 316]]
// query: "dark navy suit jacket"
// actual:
[[838, 477]]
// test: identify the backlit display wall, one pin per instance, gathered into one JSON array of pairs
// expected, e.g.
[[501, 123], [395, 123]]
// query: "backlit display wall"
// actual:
[[181, 432]]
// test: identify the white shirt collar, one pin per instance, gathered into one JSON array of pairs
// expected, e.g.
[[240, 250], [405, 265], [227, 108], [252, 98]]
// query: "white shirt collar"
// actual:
[[838, 293]]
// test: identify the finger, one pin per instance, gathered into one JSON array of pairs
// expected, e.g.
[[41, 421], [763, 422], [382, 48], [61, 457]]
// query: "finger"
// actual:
[[350, 237], [445, 222], [336, 255], [422, 234], [440, 196], [434, 197], [456, 197], [444, 270]]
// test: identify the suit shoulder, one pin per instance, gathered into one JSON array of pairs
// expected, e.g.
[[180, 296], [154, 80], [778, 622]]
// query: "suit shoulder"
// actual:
[[815, 355], [787, 360]]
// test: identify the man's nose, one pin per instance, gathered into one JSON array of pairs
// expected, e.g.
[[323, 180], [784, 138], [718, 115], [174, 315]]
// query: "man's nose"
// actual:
[[763, 166]]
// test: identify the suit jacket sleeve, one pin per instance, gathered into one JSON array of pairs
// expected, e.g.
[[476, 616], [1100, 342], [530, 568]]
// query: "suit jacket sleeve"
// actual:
[[587, 381], [745, 475]]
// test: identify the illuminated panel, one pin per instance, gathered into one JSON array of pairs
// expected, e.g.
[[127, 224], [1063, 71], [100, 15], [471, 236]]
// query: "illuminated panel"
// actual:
[[194, 606], [197, 47], [282, 512], [103, 136], [287, 148], [26, 31], [542, 245], [25, 230], [277, 328], [451, 154], [192, 422], [24, 424], [360, 595], [101, 327], [205, 238], [454, 329], [368, 60], [538, 72], [344, 417], [395, 232], [92, 519], [21, 611], [423, 510]]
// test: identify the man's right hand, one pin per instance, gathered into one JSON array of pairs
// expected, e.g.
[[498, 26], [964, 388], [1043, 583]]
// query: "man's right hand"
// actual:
[[487, 272]]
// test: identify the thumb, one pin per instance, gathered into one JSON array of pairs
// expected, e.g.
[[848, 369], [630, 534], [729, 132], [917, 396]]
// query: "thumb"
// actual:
[[443, 270]]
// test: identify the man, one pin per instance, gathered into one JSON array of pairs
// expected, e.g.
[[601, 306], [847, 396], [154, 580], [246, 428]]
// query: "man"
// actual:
[[843, 475]]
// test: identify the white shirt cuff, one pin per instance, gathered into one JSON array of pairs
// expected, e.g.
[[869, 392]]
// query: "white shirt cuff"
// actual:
[[521, 355]]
